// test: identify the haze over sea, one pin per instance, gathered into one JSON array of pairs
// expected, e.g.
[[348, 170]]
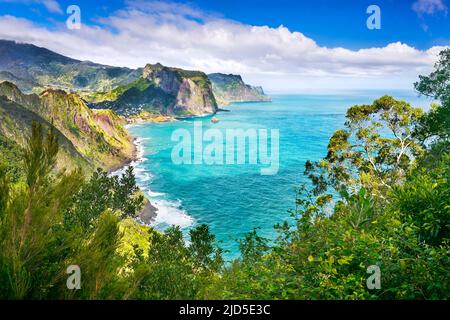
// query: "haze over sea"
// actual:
[[235, 199]]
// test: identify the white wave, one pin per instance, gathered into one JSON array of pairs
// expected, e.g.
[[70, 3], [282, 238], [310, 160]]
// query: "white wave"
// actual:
[[149, 193], [169, 213], [135, 163], [153, 194], [142, 175], [140, 149], [145, 177]]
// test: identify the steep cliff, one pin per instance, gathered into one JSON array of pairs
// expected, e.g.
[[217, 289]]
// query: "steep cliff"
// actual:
[[97, 135], [229, 88], [163, 90], [15, 126]]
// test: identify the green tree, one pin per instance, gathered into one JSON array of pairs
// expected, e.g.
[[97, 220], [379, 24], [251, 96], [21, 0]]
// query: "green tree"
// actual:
[[176, 271], [102, 192], [37, 239], [374, 151], [437, 84], [127, 198], [203, 249], [424, 202], [30, 212], [434, 127]]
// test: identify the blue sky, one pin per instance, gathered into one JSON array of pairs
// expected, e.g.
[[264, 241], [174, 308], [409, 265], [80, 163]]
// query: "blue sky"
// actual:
[[329, 22], [323, 41]]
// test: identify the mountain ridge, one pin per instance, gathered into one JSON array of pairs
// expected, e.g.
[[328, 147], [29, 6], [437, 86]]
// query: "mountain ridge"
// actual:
[[155, 88], [46, 68]]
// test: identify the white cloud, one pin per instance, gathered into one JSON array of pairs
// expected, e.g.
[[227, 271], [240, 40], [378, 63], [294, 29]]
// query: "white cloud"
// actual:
[[52, 6], [429, 6], [182, 36]]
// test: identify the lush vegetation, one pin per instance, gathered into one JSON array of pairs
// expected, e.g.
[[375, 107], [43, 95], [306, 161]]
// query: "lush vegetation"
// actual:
[[379, 198], [88, 138]]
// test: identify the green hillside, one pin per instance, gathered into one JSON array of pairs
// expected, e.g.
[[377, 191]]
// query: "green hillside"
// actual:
[[15, 126], [97, 135]]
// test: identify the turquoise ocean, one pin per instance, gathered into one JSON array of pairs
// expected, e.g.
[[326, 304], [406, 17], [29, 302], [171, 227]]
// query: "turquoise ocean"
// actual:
[[235, 199]]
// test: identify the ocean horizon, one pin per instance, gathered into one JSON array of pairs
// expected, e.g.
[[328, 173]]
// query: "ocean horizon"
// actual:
[[235, 199]]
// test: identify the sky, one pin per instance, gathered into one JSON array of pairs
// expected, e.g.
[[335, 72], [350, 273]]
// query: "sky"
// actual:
[[287, 46]]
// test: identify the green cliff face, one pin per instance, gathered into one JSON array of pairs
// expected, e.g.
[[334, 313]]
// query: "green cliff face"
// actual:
[[91, 137], [15, 127], [229, 88], [33, 69], [162, 90]]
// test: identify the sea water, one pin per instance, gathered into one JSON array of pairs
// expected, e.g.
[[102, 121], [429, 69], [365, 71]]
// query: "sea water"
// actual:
[[234, 199]]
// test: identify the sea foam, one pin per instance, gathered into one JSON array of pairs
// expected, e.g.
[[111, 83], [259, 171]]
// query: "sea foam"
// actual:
[[168, 212]]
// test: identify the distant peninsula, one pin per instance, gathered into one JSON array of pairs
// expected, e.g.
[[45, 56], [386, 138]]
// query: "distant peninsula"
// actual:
[[229, 88]]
